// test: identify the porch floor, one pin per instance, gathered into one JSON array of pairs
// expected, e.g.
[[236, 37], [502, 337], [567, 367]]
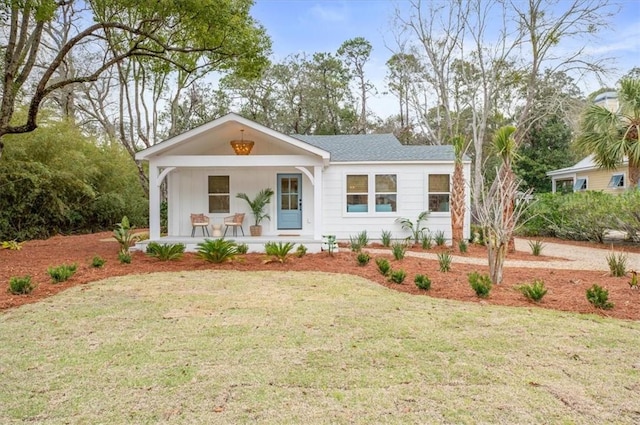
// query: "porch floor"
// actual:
[[255, 243]]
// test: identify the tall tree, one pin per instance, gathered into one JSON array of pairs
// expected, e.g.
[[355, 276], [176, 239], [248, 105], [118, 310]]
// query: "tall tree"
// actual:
[[458, 192], [404, 70], [613, 136], [216, 32], [356, 52]]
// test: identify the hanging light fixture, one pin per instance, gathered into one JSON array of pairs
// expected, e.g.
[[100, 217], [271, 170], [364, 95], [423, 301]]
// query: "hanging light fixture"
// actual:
[[242, 147]]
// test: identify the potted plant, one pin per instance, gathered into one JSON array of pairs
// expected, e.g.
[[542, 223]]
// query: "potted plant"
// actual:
[[257, 206]]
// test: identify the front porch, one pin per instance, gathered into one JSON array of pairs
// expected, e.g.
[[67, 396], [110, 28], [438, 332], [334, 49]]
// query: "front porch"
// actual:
[[255, 243]]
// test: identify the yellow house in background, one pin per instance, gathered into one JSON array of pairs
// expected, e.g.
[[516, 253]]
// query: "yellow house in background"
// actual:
[[586, 175]]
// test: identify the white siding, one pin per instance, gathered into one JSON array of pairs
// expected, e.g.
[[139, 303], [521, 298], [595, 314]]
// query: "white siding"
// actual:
[[411, 201], [188, 194]]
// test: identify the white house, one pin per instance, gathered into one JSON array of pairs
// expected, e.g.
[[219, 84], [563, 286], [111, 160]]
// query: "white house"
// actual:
[[338, 185]]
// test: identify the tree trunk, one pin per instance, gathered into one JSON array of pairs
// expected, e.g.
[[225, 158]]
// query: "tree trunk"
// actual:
[[634, 174], [457, 206], [497, 255]]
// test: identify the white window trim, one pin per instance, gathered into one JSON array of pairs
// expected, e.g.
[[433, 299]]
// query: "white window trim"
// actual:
[[624, 181], [586, 184], [209, 195], [429, 193], [371, 201]]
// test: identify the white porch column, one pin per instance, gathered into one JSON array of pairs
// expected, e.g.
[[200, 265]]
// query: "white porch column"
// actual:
[[317, 203], [154, 202]]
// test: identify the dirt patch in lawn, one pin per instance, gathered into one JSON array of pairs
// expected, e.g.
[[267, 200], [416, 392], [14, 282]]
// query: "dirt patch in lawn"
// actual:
[[566, 287]]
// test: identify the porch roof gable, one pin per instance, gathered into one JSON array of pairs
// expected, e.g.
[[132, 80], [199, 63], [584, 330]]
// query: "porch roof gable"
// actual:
[[167, 145]]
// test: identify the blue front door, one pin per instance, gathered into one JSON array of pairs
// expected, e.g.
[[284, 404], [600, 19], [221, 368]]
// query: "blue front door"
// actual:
[[289, 201]]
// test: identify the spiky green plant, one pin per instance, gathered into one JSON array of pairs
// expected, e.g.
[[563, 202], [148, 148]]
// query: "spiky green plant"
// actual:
[[363, 259], [278, 251], [301, 251], [439, 238], [383, 266], [426, 240], [416, 227], [444, 261], [165, 252], [463, 246], [617, 263], [397, 276], [243, 248], [480, 283], [11, 245], [422, 282], [385, 238], [97, 262], [359, 241], [21, 285], [258, 204], [536, 247], [123, 234], [599, 297], [62, 272], [217, 250], [398, 249], [533, 291]]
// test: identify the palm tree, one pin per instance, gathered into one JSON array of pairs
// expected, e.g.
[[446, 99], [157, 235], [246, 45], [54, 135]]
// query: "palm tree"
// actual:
[[505, 147], [613, 135], [457, 192]]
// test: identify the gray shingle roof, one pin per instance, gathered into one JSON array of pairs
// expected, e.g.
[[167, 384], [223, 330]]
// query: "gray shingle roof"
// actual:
[[376, 147]]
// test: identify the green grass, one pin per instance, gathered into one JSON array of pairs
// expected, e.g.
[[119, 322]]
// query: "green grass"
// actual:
[[211, 347]]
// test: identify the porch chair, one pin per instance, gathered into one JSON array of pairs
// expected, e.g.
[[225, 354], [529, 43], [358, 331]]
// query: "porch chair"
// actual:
[[234, 221], [199, 220]]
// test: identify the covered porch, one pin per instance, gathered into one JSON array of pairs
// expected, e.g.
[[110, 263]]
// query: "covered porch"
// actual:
[[203, 173]]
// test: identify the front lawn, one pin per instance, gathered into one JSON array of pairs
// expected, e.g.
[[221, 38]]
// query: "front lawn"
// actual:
[[287, 347]]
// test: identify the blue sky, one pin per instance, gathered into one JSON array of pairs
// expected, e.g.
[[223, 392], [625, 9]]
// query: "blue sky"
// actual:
[[310, 26]]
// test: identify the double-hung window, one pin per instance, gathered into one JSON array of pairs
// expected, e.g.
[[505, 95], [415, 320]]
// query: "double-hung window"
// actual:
[[386, 192], [379, 189], [439, 192], [358, 193], [218, 194]]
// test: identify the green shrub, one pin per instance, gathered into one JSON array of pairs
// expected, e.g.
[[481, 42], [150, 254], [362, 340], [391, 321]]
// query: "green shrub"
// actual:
[[462, 246], [383, 266], [386, 238], [166, 251], [533, 291], [426, 241], [480, 283], [617, 263], [444, 261], [398, 249], [98, 262], [62, 273], [363, 258], [332, 244], [359, 241], [536, 247], [243, 248], [301, 251], [124, 257], [11, 245], [21, 285], [477, 235], [422, 282], [599, 297], [439, 238], [217, 250], [416, 227], [123, 234], [397, 276], [278, 251]]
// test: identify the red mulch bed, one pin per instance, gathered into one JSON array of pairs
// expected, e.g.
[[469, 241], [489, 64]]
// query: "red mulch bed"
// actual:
[[566, 287]]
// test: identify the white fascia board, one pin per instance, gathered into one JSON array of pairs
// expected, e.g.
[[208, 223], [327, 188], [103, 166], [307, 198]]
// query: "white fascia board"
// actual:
[[157, 150], [235, 161]]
